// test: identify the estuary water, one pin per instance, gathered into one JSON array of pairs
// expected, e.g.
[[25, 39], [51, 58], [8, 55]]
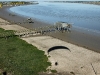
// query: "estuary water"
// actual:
[[83, 16]]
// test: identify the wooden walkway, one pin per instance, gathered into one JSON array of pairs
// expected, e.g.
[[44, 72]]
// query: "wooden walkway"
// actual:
[[4, 23], [41, 31], [36, 31]]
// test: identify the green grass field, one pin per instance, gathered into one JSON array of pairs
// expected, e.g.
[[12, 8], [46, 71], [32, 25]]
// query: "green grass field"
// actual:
[[20, 58]]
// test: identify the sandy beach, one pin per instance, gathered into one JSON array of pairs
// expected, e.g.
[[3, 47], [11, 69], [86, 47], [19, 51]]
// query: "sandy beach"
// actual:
[[82, 59]]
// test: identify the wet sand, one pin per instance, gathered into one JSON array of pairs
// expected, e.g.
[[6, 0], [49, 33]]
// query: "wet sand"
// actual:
[[79, 38]]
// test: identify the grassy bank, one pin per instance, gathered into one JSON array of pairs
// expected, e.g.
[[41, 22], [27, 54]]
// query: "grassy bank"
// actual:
[[20, 58]]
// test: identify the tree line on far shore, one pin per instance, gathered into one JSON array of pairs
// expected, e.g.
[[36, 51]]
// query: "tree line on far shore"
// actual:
[[84, 2]]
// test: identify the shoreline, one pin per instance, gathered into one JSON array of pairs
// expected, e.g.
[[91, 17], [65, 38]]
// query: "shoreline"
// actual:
[[76, 37]]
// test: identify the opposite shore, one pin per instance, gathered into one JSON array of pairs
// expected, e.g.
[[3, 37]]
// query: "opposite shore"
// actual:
[[84, 2]]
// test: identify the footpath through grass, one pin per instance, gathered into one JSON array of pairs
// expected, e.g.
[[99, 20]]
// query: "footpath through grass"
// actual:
[[20, 58]]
